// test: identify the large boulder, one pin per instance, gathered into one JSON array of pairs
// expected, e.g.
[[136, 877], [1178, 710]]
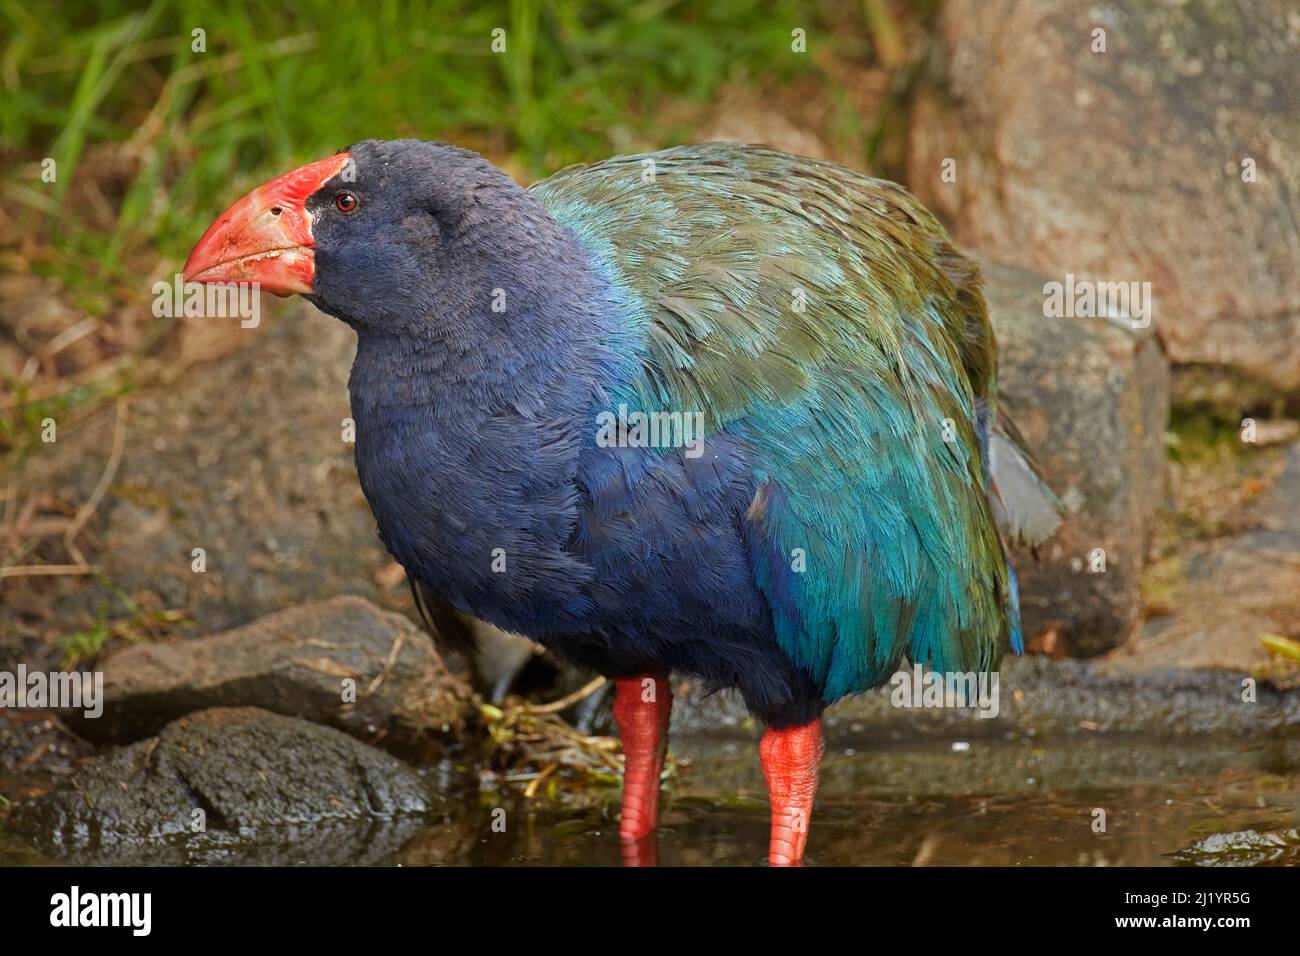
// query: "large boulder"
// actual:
[[341, 662], [1091, 397], [1128, 164], [228, 778]]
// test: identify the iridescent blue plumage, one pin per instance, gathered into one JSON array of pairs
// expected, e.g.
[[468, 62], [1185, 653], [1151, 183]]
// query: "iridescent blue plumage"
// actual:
[[833, 344], [808, 312]]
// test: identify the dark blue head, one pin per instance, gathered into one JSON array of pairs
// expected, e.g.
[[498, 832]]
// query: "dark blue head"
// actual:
[[392, 237]]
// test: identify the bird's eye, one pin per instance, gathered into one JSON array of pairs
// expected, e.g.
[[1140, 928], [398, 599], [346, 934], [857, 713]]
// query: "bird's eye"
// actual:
[[346, 202]]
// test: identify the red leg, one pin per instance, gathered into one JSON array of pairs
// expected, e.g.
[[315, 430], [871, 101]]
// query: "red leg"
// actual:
[[641, 708], [790, 759]]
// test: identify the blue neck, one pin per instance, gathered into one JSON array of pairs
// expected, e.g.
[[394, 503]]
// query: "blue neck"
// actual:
[[470, 424]]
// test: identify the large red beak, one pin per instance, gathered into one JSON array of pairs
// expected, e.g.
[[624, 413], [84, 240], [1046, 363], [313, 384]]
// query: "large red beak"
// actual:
[[266, 236]]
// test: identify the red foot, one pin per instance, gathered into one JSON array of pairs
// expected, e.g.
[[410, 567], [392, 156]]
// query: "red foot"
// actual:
[[790, 759], [642, 852], [641, 708]]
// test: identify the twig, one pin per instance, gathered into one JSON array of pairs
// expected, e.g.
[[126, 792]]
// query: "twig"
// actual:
[[555, 706], [41, 749], [148, 752], [68, 336], [530, 791], [46, 570], [383, 672], [105, 479], [89, 378]]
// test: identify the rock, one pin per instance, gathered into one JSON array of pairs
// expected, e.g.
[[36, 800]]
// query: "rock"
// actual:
[[1245, 848], [243, 457], [1128, 164], [257, 777], [1091, 397], [1038, 695], [1227, 593], [35, 750], [293, 662]]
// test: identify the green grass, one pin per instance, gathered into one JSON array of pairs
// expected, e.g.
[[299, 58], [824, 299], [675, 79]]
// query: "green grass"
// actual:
[[83, 645], [25, 424], [578, 81], [137, 624], [151, 139]]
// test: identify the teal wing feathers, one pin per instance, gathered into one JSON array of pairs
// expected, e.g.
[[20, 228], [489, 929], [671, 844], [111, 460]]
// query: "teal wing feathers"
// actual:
[[824, 318]]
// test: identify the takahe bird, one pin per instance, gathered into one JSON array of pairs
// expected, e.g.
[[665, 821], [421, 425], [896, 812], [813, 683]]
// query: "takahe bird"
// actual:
[[836, 511]]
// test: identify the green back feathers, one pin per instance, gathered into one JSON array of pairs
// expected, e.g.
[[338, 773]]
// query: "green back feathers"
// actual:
[[824, 317]]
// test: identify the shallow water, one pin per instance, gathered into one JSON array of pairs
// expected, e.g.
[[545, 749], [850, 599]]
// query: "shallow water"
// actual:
[[997, 803], [883, 801]]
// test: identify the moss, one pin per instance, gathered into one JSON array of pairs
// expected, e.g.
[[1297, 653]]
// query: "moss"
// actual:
[[1161, 583]]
